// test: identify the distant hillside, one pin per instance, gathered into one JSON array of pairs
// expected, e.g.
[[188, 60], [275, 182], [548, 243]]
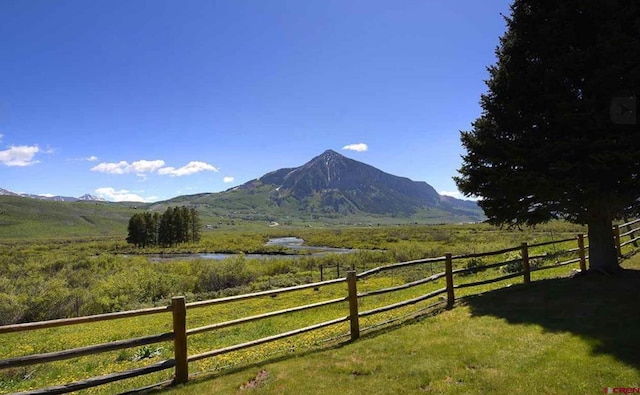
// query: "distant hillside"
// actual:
[[24, 217], [332, 186]]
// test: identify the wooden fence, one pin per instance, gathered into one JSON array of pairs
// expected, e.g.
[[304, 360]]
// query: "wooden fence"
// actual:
[[525, 255]]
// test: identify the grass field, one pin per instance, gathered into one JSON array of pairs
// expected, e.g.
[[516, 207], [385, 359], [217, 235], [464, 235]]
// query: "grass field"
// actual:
[[32, 218], [556, 336], [45, 275]]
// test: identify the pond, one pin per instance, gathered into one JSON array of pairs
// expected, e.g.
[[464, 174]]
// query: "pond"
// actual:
[[293, 243]]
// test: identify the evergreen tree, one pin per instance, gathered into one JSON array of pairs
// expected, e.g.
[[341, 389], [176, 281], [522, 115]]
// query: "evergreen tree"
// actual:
[[156, 226], [558, 135], [176, 225], [136, 230], [185, 224], [196, 225], [151, 229], [165, 229]]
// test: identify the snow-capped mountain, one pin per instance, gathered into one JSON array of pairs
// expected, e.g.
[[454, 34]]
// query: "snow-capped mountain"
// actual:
[[88, 197], [4, 192]]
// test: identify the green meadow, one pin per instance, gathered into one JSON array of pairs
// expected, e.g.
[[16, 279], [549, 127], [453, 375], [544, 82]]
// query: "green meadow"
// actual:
[[477, 347]]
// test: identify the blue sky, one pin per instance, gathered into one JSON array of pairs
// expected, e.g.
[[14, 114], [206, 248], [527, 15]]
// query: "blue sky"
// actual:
[[150, 99]]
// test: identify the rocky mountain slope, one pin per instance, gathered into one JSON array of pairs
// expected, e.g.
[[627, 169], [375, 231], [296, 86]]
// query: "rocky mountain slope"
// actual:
[[332, 186]]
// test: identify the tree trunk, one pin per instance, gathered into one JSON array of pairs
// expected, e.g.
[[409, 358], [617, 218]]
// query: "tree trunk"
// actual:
[[603, 256]]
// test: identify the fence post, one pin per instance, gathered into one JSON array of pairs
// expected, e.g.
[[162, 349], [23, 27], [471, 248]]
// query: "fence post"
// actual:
[[337, 270], [448, 267], [353, 304], [525, 262], [616, 237], [632, 234], [321, 276], [581, 253], [179, 309]]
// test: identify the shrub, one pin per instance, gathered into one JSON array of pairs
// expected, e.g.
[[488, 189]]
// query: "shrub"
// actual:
[[475, 265], [516, 265], [11, 309], [228, 273]]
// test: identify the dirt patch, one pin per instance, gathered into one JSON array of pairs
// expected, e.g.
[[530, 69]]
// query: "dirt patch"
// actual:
[[258, 381]]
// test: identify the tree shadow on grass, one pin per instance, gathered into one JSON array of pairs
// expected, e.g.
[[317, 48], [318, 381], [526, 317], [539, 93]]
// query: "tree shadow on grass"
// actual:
[[604, 310]]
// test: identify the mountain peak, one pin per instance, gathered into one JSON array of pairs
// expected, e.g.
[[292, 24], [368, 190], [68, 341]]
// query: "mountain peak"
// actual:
[[90, 197], [326, 158], [331, 186], [330, 152], [87, 196], [7, 192], [333, 183]]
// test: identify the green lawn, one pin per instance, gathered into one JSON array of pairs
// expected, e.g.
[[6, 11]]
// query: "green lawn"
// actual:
[[556, 336]]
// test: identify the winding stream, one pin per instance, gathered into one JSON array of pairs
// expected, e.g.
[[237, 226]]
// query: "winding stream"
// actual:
[[293, 243]]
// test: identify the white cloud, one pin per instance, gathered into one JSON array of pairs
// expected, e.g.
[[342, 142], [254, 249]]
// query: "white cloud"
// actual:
[[139, 167], [227, 180], [112, 168], [22, 155], [189, 168], [91, 158], [455, 194], [360, 147], [122, 195], [458, 195], [144, 167]]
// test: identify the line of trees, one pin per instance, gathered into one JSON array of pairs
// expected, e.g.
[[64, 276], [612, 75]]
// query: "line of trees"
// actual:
[[176, 225]]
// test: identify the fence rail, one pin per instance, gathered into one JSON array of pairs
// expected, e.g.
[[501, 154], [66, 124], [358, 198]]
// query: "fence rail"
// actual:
[[81, 351], [526, 264], [81, 320]]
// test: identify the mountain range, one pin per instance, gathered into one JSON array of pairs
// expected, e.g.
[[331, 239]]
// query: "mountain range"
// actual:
[[85, 197], [332, 186]]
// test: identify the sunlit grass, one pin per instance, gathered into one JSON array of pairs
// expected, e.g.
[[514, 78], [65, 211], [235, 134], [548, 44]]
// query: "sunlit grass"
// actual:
[[55, 339], [467, 350]]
